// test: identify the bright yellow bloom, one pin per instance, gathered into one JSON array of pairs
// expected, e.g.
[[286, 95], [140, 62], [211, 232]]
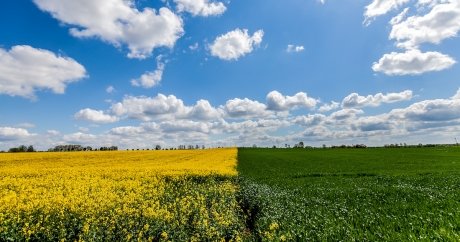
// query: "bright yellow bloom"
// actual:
[[126, 194]]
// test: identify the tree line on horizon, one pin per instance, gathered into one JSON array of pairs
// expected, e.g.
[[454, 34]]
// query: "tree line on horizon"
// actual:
[[300, 145]]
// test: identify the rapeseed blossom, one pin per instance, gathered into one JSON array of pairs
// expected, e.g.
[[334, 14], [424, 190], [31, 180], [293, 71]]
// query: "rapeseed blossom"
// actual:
[[124, 195]]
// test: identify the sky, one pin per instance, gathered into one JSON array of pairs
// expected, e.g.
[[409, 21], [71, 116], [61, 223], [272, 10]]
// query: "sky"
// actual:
[[137, 73]]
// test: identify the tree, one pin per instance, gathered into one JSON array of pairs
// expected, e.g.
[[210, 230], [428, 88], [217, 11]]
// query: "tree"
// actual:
[[30, 149], [157, 147]]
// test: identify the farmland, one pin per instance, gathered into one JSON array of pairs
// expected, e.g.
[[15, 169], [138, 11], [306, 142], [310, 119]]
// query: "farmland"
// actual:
[[351, 194], [373, 194], [107, 196]]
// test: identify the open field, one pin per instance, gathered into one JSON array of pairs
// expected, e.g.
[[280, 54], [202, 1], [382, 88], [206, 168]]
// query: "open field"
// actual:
[[107, 196], [372, 194], [351, 194]]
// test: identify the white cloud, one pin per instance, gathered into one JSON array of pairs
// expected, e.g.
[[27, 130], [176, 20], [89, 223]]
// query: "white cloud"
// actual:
[[127, 131], [24, 70], [247, 122], [381, 7], [442, 22], [195, 46], [329, 106], [430, 3], [400, 17], [200, 7], [184, 126], [430, 110], [162, 107], [277, 102], [294, 48], [95, 116], [203, 110], [244, 108], [79, 138], [52, 132], [373, 123], [457, 95], [25, 125], [309, 120], [146, 108], [150, 78], [110, 89], [412, 62], [354, 100], [235, 44], [253, 127], [345, 114], [11, 134], [118, 22]]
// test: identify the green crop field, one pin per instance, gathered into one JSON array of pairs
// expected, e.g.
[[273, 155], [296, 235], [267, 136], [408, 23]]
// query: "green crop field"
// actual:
[[374, 194]]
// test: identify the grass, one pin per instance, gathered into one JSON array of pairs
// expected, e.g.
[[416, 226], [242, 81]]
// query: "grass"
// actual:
[[351, 194]]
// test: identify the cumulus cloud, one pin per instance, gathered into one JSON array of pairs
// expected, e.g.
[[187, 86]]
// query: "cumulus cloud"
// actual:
[[372, 123], [11, 134], [235, 44], [246, 121], [162, 107], [95, 116], [168, 108], [309, 120], [127, 131], [457, 95], [400, 17], [79, 138], [430, 110], [277, 102], [146, 108], [381, 7], [328, 107], [442, 22], [412, 62], [346, 114], [24, 70], [184, 126], [203, 110], [118, 22], [253, 127], [150, 78], [354, 100], [294, 48], [200, 7], [244, 108]]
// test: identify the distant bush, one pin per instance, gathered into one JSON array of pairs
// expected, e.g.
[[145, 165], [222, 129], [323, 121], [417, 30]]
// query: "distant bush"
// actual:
[[64, 148], [22, 148]]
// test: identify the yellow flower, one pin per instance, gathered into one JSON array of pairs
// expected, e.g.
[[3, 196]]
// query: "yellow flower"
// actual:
[[44, 192], [273, 226], [164, 235]]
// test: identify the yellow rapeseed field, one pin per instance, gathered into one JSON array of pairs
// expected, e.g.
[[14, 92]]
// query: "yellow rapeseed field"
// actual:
[[123, 195]]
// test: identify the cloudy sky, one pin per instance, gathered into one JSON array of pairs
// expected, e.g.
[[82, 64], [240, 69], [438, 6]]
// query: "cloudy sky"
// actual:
[[228, 72]]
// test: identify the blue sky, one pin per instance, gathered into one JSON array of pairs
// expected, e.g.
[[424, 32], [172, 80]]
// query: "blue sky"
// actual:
[[140, 73]]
